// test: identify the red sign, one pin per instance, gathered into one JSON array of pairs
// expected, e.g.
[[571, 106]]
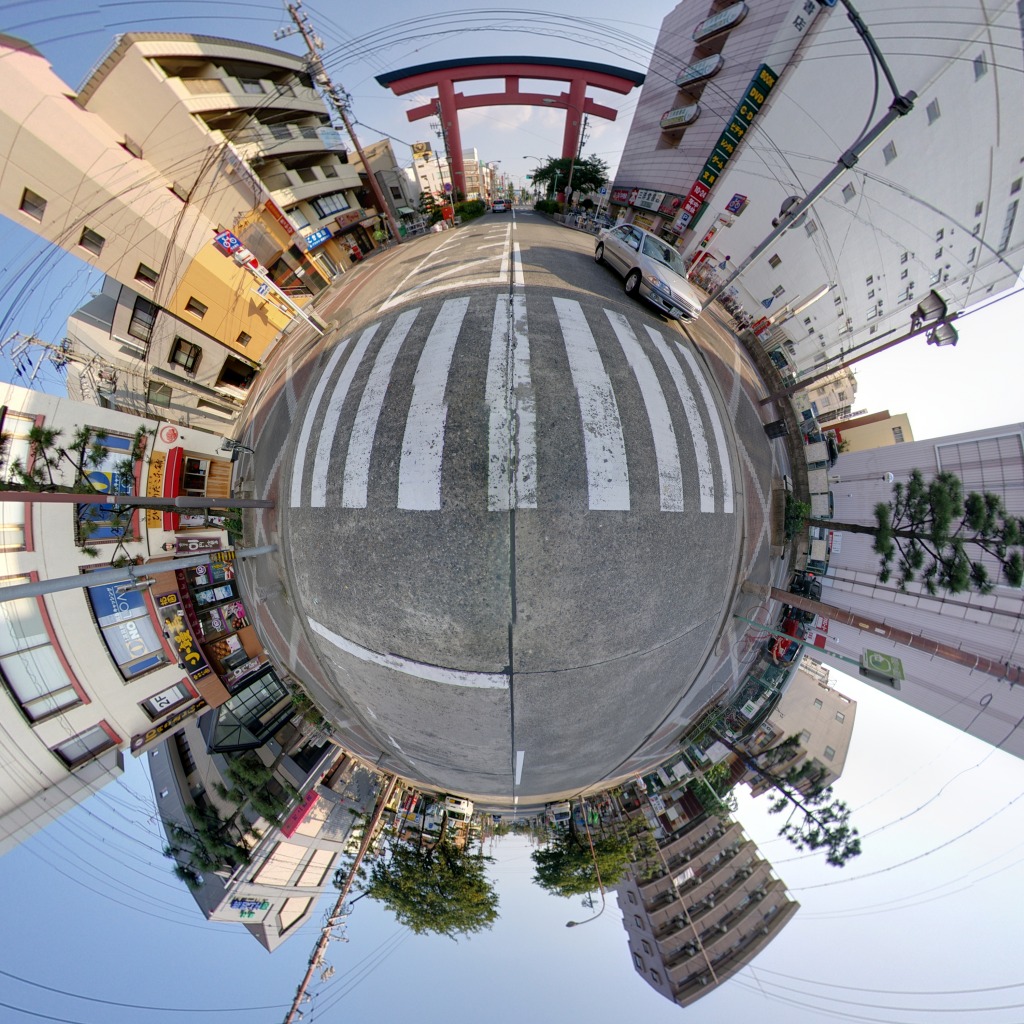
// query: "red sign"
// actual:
[[169, 434], [760, 326], [275, 211], [227, 243], [620, 195], [298, 815]]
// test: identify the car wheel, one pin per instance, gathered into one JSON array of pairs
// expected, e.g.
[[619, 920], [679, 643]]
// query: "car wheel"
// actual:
[[633, 282], [599, 253]]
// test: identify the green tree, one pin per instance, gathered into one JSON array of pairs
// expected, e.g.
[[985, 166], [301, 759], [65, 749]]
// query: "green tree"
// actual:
[[437, 889], [817, 820], [208, 842], [587, 175], [565, 865], [933, 533]]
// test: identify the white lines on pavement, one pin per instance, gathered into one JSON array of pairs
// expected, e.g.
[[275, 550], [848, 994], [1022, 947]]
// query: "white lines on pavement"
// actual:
[[364, 429], [419, 473], [322, 460], [307, 423], [431, 673], [508, 393], [520, 757], [716, 426], [666, 447], [518, 281], [397, 294], [605, 450], [705, 477]]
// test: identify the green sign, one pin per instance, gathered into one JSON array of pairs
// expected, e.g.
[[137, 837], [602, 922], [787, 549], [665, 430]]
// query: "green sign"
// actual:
[[881, 668]]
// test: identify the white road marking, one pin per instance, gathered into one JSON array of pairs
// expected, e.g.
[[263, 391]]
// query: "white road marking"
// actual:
[[518, 280], [398, 289], [307, 423], [666, 446], [509, 396], [705, 477], [364, 428], [716, 427], [607, 473], [520, 757], [431, 673], [325, 443], [419, 473]]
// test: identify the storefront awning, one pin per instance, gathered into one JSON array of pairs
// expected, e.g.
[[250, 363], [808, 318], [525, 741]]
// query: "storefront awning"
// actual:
[[404, 211]]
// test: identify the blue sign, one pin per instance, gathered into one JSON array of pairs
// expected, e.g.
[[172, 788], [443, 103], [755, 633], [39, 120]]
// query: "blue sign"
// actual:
[[227, 243], [603, 190], [767, 303], [263, 289], [447, 186], [317, 238]]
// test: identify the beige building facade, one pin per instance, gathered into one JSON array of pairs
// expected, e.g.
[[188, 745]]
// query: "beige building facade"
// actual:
[[875, 430]]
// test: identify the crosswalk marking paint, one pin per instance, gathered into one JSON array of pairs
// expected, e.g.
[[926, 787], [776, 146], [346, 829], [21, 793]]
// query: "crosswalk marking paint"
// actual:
[[607, 474], [364, 428], [666, 446], [419, 473], [705, 477], [431, 673], [508, 393], [322, 461], [307, 423], [716, 426]]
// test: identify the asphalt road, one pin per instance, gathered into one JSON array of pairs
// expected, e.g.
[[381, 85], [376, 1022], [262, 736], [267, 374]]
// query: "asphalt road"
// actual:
[[510, 511]]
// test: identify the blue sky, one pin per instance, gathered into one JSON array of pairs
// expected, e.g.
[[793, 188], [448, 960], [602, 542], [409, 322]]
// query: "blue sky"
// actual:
[[930, 905]]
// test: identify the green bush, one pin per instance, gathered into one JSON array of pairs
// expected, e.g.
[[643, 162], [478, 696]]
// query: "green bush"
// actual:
[[797, 513], [470, 209], [548, 206]]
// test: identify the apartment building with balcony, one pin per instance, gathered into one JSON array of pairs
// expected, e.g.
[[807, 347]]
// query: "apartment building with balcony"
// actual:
[[702, 909], [397, 188], [890, 229]]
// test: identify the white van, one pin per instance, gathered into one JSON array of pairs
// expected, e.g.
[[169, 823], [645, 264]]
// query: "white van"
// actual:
[[458, 809], [559, 814]]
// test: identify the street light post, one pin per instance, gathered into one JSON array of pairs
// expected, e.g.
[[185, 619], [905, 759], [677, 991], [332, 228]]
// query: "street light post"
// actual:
[[552, 102], [597, 872]]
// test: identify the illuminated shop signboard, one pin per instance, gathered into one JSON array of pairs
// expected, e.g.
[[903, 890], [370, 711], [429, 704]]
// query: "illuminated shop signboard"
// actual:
[[128, 631], [720, 22], [706, 67], [680, 117]]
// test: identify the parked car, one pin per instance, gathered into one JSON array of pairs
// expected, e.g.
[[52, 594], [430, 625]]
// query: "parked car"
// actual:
[[499, 206], [559, 814], [653, 270]]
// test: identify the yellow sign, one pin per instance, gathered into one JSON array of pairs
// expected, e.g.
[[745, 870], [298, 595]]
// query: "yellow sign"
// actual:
[[155, 488]]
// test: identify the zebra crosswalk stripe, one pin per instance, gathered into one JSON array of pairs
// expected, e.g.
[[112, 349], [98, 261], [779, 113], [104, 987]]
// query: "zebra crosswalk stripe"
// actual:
[[666, 446], [419, 472], [603, 445], [364, 429]]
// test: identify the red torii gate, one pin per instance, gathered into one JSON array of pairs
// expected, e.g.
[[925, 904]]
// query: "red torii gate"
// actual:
[[444, 75]]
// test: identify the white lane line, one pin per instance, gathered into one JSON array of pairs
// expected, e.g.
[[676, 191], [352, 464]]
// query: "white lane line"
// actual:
[[518, 280], [505, 253], [400, 287], [325, 443], [716, 426], [666, 445], [520, 757], [607, 473], [705, 477], [431, 673], [364, 427], [419, 472], [307, 423], [509, 396]]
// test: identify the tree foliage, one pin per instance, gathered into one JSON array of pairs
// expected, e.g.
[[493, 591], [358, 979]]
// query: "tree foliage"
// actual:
[[588, 175], [934, 533], [439, 889], [565, 866]]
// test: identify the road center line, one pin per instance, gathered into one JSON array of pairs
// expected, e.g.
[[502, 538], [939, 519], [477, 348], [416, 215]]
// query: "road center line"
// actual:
[[431, 673], [520, 757], [605, 449], [307, 423]]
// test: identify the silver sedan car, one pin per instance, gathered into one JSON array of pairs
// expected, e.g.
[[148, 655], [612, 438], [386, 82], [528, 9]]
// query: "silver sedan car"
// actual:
[[652, 268]]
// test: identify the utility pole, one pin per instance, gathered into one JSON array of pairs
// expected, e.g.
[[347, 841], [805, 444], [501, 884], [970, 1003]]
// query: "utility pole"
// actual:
[[340, 100], [332, 919], [442, 134]]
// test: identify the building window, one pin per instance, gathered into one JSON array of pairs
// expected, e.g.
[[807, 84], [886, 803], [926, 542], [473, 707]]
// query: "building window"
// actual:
[[631, 897], [871, 294], [333, 202], [1011, 216], [19, 454], [829, 753], [979, 209], [889, 152], [143, 319], [972, 254], [639, 961], [195, 307], [778, 291], [647, 947], [840, 717], [805, 736], [86, 746], [1015, 187], [129, 632], [92, 241], [656, 977], [904, 257], [147, 275], [243, 339], [817, 703], [848, 192], [774, 260], [904, 275], [897, 435], [810, 227], [940, 234], [933, 112], [32, 204], [980, 66], [396, 192], [185, 354], [32, 670], [236, 373], [114, 473], [251, 85], [938, 253], [297, 217], [638, 920], [158, 394]]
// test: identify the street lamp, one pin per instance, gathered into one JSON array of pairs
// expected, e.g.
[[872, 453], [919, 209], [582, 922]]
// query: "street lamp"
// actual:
[[597, 872]]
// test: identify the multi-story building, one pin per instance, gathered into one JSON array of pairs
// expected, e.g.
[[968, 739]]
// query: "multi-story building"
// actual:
[[292, 864], [755, 104], [395, 186], [702, 909], [873, 430], [985, 625], [822, 720]]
